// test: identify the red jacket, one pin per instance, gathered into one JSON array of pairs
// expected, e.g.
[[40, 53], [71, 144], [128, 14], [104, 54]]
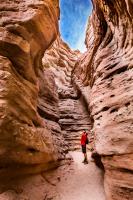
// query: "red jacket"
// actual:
[[83, 138]]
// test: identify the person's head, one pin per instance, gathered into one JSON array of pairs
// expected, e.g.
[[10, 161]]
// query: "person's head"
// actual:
[[85, 132]]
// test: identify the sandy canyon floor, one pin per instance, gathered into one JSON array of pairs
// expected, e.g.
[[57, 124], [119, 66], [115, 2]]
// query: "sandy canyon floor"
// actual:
[[73, 181]]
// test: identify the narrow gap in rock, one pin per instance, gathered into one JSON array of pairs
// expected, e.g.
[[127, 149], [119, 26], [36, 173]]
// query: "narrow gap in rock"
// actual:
[[127, 104], [114, 110]]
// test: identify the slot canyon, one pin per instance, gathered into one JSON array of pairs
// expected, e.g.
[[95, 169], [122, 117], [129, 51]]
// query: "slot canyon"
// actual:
[[51, 93]]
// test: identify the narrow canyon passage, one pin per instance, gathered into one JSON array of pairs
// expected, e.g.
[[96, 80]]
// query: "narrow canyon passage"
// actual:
[[72, 181], [82, 182], [77, 181], [73, 111], [50, 93]]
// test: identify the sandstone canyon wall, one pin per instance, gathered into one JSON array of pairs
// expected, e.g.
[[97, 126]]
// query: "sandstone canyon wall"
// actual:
[[27, 29], [45, 105], [42, 113], [107, 67], [73, 115]]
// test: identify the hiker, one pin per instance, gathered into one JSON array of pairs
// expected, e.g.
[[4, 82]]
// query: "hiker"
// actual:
[[84, 141]]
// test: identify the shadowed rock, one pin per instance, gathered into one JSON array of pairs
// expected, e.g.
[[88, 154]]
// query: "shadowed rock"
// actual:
[[27, 29]]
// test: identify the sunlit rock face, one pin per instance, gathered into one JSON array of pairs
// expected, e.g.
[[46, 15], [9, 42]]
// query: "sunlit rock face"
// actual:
[[27, 29], [73, 115], [107, 69]]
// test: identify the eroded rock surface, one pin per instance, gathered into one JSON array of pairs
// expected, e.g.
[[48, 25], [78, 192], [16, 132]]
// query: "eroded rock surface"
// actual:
[[27, 29], [107, 68], [74, 116], [43, 108]]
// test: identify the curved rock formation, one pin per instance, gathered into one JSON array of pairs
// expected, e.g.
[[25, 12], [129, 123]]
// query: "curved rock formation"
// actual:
[[73, 115], [42, 105], [107, 68], [27, 29]]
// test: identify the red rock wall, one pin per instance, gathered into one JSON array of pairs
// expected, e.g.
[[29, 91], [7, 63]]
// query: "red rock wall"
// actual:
[[27, 29], [107, 68], [73, 115], [33, 109]]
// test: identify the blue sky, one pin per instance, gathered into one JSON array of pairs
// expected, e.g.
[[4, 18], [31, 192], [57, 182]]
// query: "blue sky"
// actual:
[[73, 20]]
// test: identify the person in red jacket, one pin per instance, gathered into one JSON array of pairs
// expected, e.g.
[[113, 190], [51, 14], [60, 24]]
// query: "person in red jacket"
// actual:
[[84, 141]]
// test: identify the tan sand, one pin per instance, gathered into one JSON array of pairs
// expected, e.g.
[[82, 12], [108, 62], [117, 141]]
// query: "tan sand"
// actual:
[[84, 183], [74, 181]]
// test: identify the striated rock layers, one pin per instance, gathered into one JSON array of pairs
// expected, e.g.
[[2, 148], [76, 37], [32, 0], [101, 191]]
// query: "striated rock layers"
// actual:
[[73, 113], [107, 67], [39, 105], [27, 29]]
